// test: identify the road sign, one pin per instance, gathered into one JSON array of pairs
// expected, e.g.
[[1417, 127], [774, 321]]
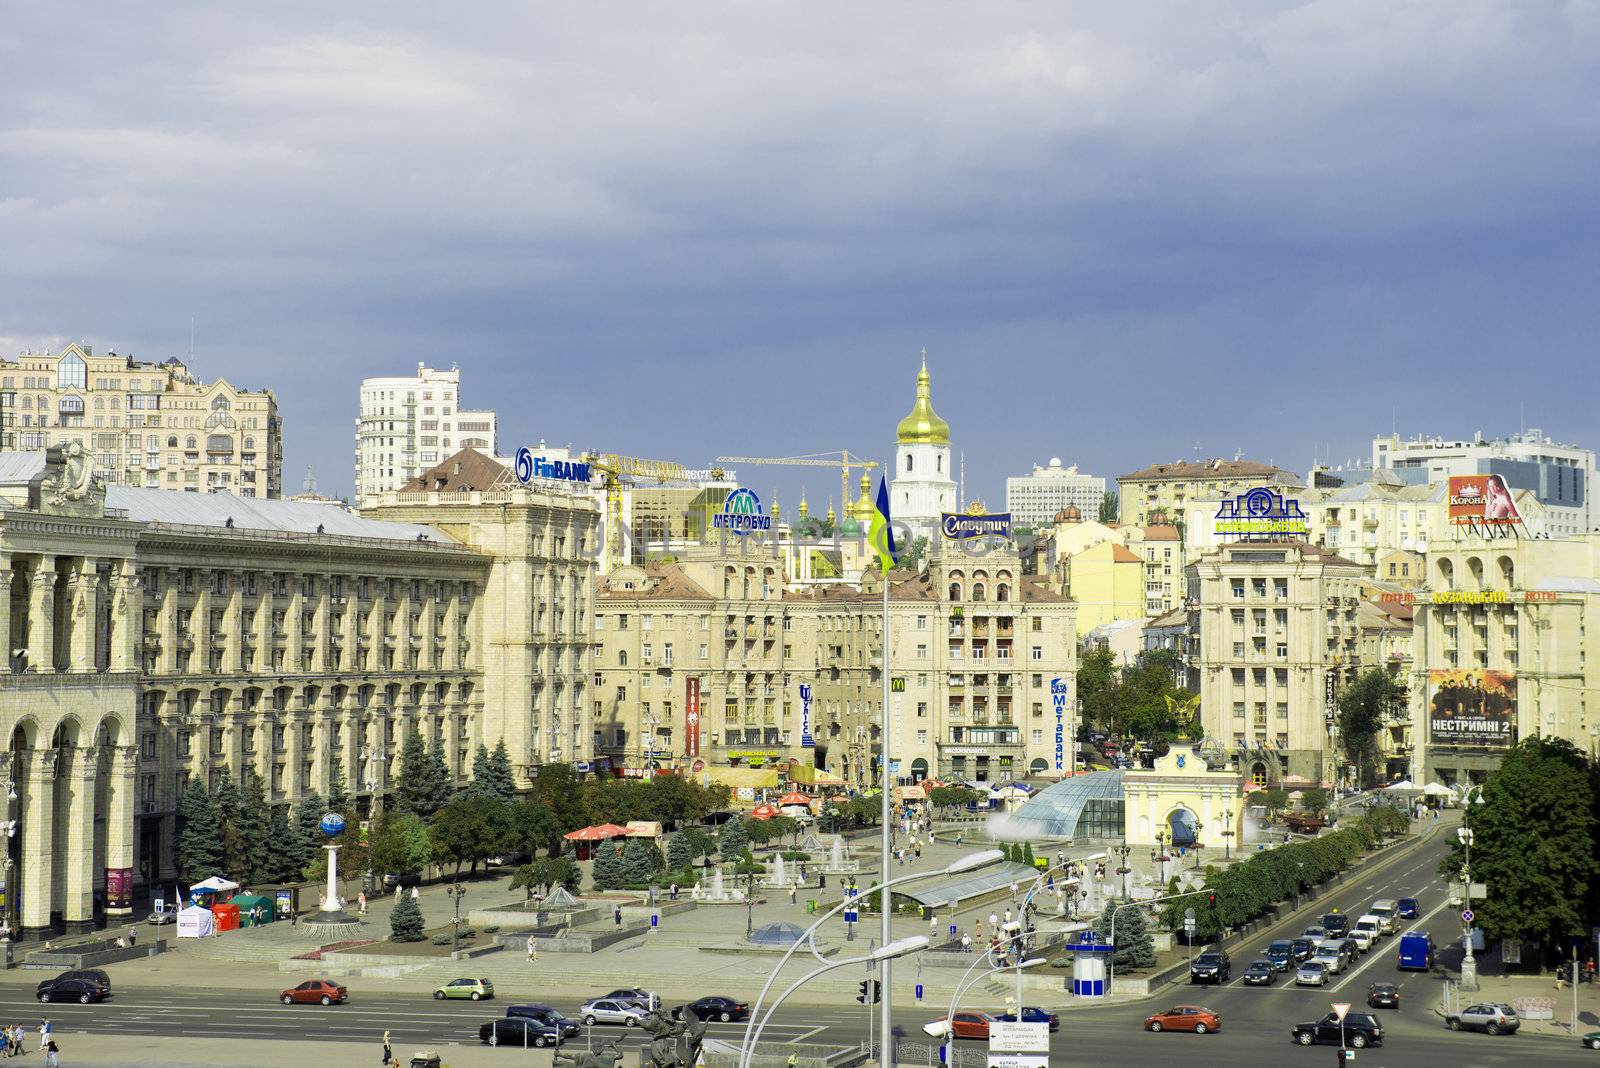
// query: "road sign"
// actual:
[[1017, 1037], [919, 991], [1340, 1008], [1466, 915], [1188, 914]]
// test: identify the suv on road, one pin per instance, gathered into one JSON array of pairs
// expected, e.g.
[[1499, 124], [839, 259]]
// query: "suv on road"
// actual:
[[1280, 955], [1212, 966], [1359, 1030], [1489, 1017], [1337, 923]]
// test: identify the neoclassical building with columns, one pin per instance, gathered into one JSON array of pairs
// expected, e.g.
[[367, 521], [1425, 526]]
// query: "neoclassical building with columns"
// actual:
[[152, 636]]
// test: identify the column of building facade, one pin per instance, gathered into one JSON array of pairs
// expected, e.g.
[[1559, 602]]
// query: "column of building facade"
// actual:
[[38, 838], [167, 621], [200, 625], [428, 654], [322, 609], [235, 720], [119, 813], [83, 603], [452, 629], [6, 575], [126, 612], [41, 616], [233, 661], [82, 765], [404, 651], [259, 623]]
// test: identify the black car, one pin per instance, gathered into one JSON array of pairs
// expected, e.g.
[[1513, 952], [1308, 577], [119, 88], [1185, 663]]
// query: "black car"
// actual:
[[1302, 948], [1034, 1014], [1337, 923], [545, 1014], [1383, 996], [716, 1008], [1212, 966], [90, 975], [1280, 955], [522, 1031], [79, 990], [1359, 1030], [1260, 973]]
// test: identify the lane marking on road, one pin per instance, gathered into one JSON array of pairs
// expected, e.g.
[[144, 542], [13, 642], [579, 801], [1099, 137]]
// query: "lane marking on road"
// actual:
[[797, 1039], [1372, 957]]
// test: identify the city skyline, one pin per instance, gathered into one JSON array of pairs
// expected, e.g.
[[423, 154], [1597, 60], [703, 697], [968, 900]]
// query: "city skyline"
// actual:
[[1299, 231]]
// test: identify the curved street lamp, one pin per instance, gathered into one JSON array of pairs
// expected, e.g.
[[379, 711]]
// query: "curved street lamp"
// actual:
[[965, 983]]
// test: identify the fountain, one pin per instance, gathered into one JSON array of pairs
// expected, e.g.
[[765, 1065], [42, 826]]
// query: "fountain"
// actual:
[[777, 876], [718, 893], [837, 864]]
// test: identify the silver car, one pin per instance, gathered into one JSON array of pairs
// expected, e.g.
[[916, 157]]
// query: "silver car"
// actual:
[[1331, 959], [612, 1011], [1489, 1017], [1311, 973]]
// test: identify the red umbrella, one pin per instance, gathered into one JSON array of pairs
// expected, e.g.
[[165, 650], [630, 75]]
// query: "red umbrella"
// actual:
[[795, 797], [597, 833], [764, 812]]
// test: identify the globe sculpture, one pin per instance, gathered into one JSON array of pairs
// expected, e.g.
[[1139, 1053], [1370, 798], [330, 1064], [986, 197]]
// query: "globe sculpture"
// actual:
[[332, 825]]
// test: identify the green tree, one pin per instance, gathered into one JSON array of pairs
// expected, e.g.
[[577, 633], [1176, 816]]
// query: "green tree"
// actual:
[[254, 826], [1314, 799], [1364, 706], [437, 780], [338, 792], [641, 861], [470, 830], [1097, 687], [283, 847], [607, 872], [502, 780], [411, 788], [1027, 854], [400, 844], [732, 839], [225, 797], [951, 797], [675, 799], [199, 855], [544, 873], [478, 784], [680, 852], [534, 827], [307, 836], [558, 786], [1110, 506], [1274, 800], [1534, 843], [405, 920], [1136, 945]]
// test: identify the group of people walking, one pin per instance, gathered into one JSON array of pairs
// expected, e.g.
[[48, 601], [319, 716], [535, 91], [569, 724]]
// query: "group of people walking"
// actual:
[[14, 1039]]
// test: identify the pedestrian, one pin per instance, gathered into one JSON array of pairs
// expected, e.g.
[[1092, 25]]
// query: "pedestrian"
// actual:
[[966, 943], [397, 894], [977, 928], [52, 1054], [388, 1050], [792, 890], [822, 881], [1588, 970], [17, 1037], [44, 1033], [672, 892], [616, 915], [1008, 916], [994, 921], [533, 949], [933, 927], [361, 902], [414, 894], [794, 1060], [133, 935]]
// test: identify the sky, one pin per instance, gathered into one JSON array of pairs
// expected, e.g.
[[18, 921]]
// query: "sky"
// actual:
[[1124, 233]]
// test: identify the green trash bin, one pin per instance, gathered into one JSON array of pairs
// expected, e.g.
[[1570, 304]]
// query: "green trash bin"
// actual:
[[811, 905]]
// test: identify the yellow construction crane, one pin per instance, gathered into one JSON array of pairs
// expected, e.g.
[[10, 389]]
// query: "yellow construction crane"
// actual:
[[815, 459], [616, 470]]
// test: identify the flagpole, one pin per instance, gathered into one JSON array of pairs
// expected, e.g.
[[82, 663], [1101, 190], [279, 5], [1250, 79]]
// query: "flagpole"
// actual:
[[885, 910]]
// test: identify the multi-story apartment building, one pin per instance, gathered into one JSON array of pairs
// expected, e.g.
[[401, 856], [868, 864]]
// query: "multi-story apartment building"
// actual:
[[407, 425], [1501, 652], [1161, 493], [1384, 629], [1368, 521], [1277, 636], [974, 647], [156, 636], [144, 424], [543, 541], [1559, 476], [1153, 555], [1033, 500]]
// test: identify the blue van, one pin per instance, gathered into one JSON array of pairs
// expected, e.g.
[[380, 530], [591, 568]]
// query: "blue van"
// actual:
[[1416, 951]]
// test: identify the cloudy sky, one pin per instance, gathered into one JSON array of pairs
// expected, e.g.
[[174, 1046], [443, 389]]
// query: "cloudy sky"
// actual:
[[1123, 232]]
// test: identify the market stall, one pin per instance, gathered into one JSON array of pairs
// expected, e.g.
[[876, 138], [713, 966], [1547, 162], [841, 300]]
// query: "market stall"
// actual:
[[195, 922]]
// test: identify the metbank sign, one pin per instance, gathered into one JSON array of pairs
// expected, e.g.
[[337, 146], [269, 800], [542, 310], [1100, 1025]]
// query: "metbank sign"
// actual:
[[1482, 499], [1260, 513], [691, 717], [1058, 698], [1471, 707]]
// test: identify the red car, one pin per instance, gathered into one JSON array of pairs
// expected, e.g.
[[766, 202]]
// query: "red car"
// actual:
[[315, 992], [1184, 1018], [964, 1024]]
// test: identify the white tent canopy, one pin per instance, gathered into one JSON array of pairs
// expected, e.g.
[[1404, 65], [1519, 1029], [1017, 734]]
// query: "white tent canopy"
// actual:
[[1438, 789], [216, 884], [1404, 787], [195, 922]]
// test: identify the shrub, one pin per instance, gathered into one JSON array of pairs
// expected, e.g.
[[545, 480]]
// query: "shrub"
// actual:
[[492, 928], [441, 940], [405, 921]]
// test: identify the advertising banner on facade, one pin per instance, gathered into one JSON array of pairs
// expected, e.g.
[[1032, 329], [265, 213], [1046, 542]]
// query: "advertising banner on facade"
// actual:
[[1260, 513], [1481, 499], [691, 717], [965, 527], [1058, 698], [806, 740], [119, 888], [1471, 707]]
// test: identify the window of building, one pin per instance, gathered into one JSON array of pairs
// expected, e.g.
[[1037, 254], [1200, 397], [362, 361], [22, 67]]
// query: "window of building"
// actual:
[[72, 373]]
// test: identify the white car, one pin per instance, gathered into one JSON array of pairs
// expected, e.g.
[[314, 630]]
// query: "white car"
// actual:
[[609, 1011]]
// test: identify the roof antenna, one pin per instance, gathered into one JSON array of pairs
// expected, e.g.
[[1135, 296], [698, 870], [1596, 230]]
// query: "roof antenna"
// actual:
[[191, 341], [310, 484]]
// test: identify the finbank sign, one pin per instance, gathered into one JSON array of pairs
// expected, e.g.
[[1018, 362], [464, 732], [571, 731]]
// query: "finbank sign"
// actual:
[[530, 467]]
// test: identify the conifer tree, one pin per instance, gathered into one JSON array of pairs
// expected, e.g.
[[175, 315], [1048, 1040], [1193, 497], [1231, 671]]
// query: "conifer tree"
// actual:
[[411, 792], [608, 873], [226, 799], [732, 839], [437, 791], [1135, 946], [405, 921], [307, 835], [282, 847], [199, 854], [500, 773], [253, 822], [680, 854], [338, 792]]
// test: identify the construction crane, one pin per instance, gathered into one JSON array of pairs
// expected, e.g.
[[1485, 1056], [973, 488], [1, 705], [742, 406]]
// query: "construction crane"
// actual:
[[815, 459], [616, 470]]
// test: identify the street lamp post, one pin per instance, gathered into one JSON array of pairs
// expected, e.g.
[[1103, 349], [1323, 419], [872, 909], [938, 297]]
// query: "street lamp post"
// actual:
[[1469, 964], [1227, 833], [1160, 854], [456, 892], [966, 981], [373, 779], [749, 902], [1122, 870]]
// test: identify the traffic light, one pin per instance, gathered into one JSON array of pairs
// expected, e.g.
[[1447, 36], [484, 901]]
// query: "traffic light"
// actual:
[[1211, 899], [869, 992]]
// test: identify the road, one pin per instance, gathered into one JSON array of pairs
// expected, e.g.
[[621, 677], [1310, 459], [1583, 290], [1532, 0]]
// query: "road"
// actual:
[[1255, 1030]]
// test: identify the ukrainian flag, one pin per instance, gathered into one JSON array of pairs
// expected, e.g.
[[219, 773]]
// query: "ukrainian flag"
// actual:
[[879, 535]]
